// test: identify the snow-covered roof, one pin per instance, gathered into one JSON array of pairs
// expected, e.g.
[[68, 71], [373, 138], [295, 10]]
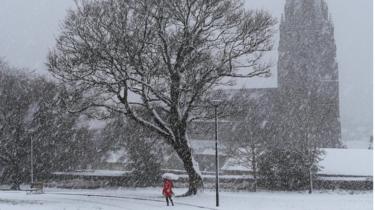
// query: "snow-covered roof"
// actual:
[[118, 156], [234, 165], [111, 173], [363, 143], [91, 124], [222, 177], [346, 162], [205, 147], [350, 178]]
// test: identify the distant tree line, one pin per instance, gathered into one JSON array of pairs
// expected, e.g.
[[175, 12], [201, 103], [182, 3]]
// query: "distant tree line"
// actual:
[[32, 111], [37, 111]]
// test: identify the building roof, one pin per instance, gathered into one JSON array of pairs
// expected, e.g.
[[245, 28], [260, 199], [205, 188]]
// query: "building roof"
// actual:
[[233, 164], [346, 162], [116, 156], [205, 147], [107, 173]]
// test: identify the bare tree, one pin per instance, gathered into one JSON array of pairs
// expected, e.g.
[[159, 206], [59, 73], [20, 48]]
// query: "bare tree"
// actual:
[[155, 60], [249, 134]]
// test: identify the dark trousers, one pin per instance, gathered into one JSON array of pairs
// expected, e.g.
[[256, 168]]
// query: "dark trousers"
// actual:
[[169, 199]]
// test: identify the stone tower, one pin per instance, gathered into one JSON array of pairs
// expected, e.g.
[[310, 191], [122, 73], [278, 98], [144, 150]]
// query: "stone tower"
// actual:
[[308, 74]]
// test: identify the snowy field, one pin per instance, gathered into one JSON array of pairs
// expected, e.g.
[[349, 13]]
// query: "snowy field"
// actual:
[[150, 199]]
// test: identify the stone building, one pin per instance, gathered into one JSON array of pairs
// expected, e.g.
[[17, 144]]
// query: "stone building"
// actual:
[[308, 80]]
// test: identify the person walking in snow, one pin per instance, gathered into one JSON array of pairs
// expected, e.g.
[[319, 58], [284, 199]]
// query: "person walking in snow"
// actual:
[[167, 191]]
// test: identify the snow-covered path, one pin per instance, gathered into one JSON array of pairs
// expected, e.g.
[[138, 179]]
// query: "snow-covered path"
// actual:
[[150, 199]]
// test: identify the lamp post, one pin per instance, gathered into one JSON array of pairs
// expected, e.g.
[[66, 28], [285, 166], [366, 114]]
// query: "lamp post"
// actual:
[[215, 104], [216, 160], [31, 160]]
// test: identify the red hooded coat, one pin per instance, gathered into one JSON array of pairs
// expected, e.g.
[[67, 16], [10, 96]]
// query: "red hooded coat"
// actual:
[[167, 188]]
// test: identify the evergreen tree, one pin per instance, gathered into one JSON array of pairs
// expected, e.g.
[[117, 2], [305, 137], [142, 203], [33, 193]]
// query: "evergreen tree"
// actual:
[[143, 151], [281, 169], [145, 162]]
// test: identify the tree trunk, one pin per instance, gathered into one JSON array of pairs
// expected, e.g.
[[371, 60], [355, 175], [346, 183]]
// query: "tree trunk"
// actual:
[[16, 179], [195, 180], [16, 186]]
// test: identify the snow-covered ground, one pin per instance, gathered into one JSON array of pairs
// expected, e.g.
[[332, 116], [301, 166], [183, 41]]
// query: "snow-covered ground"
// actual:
[[150, 199]]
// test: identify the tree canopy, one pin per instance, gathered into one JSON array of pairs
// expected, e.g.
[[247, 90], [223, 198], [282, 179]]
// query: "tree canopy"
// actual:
[[156, 60]]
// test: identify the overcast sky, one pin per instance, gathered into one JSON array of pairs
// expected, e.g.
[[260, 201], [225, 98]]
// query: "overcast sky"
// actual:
[[28, 29]]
